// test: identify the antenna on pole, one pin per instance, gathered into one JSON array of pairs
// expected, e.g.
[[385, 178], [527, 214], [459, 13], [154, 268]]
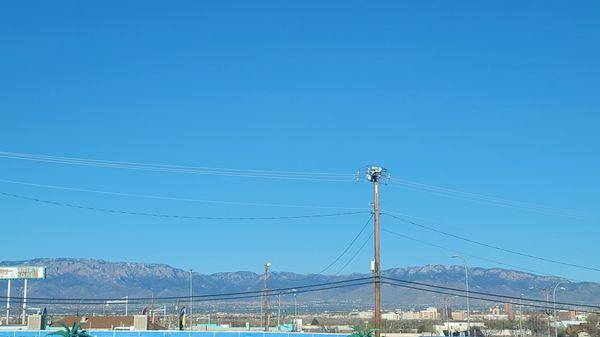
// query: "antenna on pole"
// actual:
[[375, 174]]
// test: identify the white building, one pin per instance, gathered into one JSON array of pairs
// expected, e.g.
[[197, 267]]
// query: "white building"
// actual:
[[409, 315], [392, 316], [456, 327], [361, 314], [431, 313], [493, 317]]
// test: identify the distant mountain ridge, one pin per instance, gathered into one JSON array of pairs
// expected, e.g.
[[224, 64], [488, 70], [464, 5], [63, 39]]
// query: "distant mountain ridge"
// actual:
[[91, 278]]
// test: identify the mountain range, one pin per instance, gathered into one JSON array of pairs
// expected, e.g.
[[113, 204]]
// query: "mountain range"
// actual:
[[92, 278]]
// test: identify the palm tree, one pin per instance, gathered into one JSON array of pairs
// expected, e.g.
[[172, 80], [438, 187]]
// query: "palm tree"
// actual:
[[75, 331], [359, 332]]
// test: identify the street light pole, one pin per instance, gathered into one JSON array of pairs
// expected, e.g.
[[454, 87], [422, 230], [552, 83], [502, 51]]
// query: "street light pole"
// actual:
[[8, 302], [191, 295], [295, 306], [24, 301], [521, 315], [554, 302], [265, 304], [295, 323], [547, 291], [466, 291]]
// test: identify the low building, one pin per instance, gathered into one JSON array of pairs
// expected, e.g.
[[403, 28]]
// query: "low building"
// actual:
[[456, 328], [431, 313], [410, 315], [564, 315], [460, 315], [361, 314], [566, 324], [492, 317], [109, 322], [391, 316]]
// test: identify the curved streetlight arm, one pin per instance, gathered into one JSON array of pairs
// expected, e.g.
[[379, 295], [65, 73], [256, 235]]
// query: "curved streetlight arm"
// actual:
[[554, 306]]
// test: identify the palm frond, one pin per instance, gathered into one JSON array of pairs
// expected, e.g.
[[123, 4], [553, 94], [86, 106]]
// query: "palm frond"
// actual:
[[62, 333], [76, 327]]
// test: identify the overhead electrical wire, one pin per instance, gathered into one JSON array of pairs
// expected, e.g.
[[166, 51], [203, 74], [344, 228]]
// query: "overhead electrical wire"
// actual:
[[175, 216], [270, 293], [273, 174], [355, 254], [182, 297], [525, 304], [452, 250], [293, 175], [145, 196], [418, 286], [27, 156], [489, 294], [214, 171], [437, 190], [195, 300], [506, 250], [347, 247]]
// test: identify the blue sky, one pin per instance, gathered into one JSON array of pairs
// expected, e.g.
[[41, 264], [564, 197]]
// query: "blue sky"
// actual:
[[499, 98]]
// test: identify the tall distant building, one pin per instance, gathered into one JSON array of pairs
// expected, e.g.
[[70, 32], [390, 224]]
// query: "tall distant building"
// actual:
[[496, 310], [510, 310], [446, 313]]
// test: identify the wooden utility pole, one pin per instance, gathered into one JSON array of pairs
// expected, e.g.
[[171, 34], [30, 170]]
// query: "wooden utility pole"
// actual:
[[377, 261], [374, 175], [265, 305]]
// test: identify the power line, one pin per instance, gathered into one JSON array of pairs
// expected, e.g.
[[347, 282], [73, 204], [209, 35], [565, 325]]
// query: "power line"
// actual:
[[489, 245], [314, 288], [122, 194], [463, 195], [356, 253], [247, 173], [472, 255], [84, 300], [307, 288], [289, 292], [175, 216], [28, 156], [490, 294], [292, 175], [347, 247], [480, 298]]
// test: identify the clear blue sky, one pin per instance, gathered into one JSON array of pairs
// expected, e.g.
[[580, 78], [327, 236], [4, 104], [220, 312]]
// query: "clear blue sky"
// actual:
[[499, 98]]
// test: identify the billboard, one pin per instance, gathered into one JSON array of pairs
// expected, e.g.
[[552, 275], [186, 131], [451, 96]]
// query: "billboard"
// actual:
[[11, 273]]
